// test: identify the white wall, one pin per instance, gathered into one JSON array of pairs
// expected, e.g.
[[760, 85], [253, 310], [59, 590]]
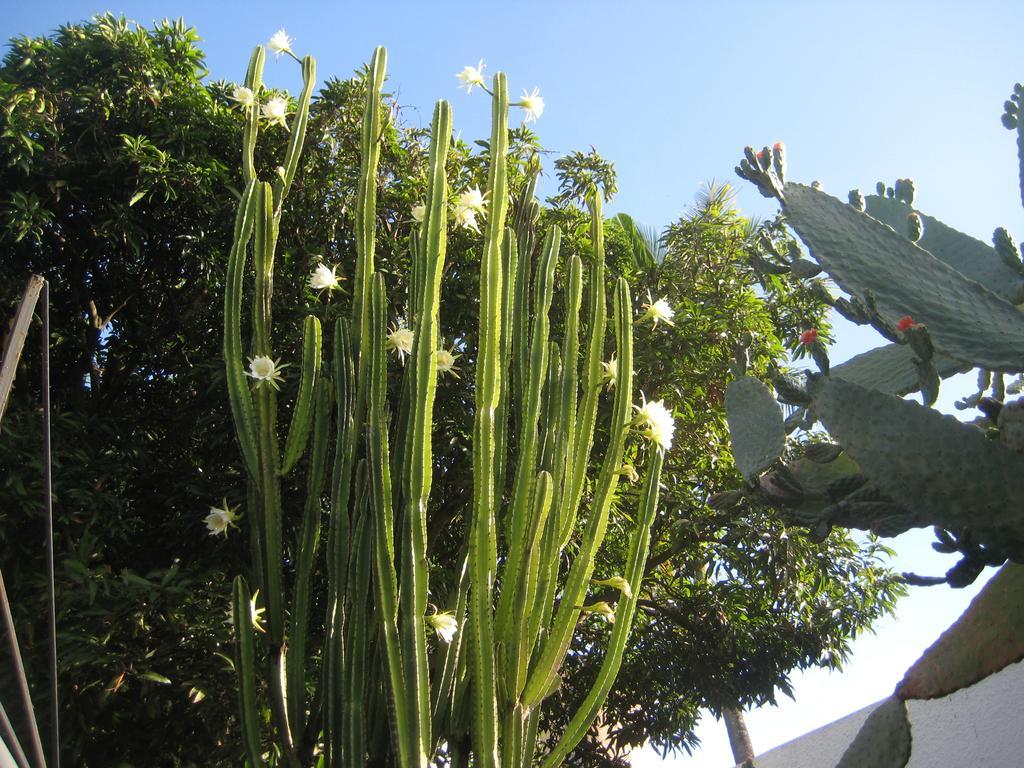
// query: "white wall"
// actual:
[[978, 727]]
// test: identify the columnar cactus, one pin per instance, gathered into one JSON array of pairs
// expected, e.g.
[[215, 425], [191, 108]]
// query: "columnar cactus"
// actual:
[[510, 618], [947, 303]]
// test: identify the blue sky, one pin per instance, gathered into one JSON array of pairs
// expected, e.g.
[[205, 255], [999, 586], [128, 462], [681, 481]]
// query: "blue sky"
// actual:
[[671, 92]]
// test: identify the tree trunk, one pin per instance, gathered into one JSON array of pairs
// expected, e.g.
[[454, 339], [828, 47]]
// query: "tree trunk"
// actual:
[[739, 739]]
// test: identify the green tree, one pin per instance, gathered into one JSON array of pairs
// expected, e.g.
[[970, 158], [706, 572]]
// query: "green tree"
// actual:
[[115, 158]]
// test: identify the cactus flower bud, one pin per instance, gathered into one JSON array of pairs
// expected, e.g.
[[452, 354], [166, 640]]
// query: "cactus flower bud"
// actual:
[[610, 373], [764, 158], [616, 582], [905, 323], [808, 337], [779, 160], [255, 614], [602, 609], [628, 471]]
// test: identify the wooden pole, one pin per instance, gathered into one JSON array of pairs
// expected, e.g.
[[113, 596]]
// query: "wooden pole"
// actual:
[[15, 340]]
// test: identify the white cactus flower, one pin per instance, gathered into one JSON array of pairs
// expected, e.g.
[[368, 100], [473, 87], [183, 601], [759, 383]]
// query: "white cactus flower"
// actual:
[[324, 278], [533, 103], [444, 624], [472, 199], [658, 310], [445, 359], [469, 204], [244, 96], [400, 340], [265, 370], [657, 421], [419, 213], [281, 43], [466, 217], [616, 582], [472, 77], [276, 111], [221, 519]]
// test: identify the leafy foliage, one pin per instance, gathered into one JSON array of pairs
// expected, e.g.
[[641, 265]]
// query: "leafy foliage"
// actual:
[[114, 162]]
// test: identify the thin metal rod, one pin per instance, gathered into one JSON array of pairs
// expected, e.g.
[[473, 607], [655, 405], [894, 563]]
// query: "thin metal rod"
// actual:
[[10, 739], [35, 742], [48, 490]]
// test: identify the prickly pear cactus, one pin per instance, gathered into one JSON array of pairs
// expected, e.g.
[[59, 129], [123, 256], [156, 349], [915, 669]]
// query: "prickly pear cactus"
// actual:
[[821, 497], [1013, 120], [883, 741], [891, 369], [755, 424], [1010, 422], [983, 641], [863, 256], [948, 303], [968, 256], [945, 472]]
